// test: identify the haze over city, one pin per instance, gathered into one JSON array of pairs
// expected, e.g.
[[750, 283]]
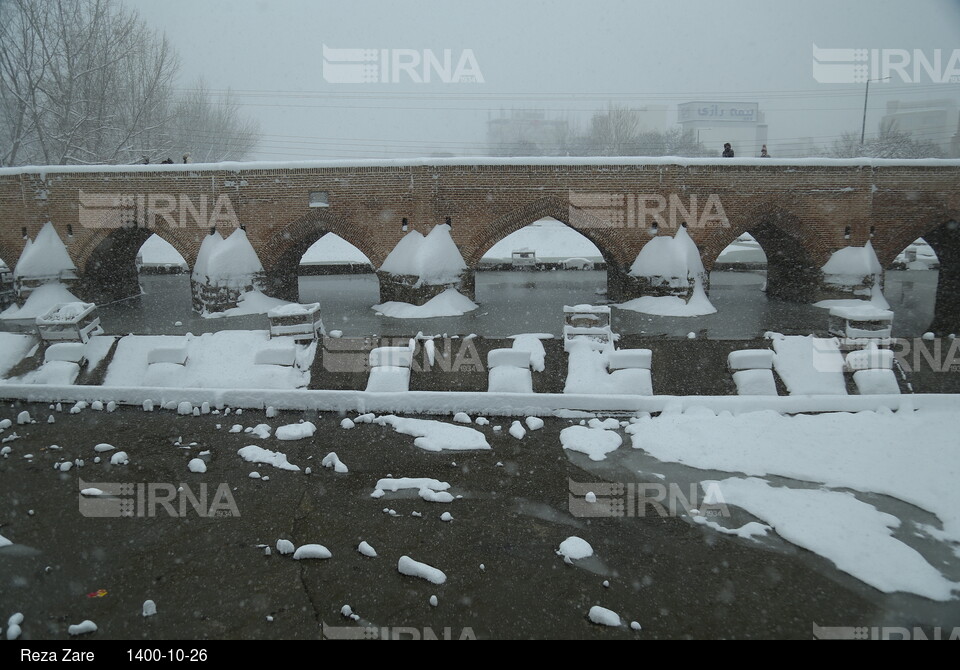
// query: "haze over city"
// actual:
[[564, 60]]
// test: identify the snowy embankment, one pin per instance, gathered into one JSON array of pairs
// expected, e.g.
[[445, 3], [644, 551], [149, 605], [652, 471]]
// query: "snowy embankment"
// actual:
[[227, 359], [869, 452], [672, 262]]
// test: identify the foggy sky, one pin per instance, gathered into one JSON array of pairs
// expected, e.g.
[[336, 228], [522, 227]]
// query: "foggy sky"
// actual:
[[567, 57]]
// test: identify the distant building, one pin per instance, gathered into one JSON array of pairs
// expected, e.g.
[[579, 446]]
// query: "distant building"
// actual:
[[936, 121], [716, 123]]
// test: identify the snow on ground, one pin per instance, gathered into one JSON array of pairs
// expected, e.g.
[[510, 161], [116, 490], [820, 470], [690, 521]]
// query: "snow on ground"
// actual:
[[331, 460], [574, 548], [213, 360], [311, 551], [809, 365], [412, 568], [296, 431], [854, 535], [255, 454], [436, 435], [871, 452], [157, 252], [39, 302], [394, 484], [13, 349], [331, 249], [449, 303], [594, 442], [552, 240], [603, 616], [251, 302]]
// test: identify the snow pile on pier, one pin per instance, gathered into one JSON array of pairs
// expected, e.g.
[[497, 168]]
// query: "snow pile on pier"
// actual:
[[45, 256], [433, 259], [672, 262]]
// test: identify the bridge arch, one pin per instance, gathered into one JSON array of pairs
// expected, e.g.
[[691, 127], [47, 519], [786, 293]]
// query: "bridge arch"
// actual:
[[792, 270], [107, 259], [601, 234], [282, 252], [943, 235]]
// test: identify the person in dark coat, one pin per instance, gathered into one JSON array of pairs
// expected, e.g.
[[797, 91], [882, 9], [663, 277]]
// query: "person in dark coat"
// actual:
[[727, 151], [763, 152]]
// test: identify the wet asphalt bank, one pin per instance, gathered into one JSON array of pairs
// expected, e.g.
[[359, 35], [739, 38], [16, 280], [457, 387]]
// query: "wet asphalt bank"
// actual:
[[211, 580]]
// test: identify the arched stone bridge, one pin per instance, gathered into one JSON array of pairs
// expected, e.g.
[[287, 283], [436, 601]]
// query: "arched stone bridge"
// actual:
[[800, 211]]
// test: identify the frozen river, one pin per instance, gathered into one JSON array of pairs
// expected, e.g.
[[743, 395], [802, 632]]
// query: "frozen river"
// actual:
[[517, 302]]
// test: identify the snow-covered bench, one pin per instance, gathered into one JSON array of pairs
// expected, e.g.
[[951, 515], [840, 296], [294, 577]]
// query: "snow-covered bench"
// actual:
[[750, 359], [876, 382], [390, 369], [71, 352], [871, 358], [872, 370], [753, 371], [276, 354], [630, 371], [175, 355], [509, 371], [755, 382]]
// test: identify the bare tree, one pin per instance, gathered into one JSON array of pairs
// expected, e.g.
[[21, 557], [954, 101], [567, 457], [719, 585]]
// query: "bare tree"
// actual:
[[612, 132], [890, 143], [86, 81], [211, 130]]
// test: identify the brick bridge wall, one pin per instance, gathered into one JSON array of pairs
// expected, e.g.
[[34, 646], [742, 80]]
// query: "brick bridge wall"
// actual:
[[800, 211]]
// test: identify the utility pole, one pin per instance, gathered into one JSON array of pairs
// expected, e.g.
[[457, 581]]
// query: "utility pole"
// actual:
[[866, 94]]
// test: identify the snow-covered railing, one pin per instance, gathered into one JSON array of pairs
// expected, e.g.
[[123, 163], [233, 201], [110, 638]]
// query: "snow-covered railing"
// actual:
[[519, 161], [491, 404], [72, 322]]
